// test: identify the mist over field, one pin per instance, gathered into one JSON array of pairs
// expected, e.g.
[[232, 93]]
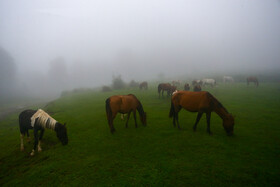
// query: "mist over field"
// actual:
[[50, 46]]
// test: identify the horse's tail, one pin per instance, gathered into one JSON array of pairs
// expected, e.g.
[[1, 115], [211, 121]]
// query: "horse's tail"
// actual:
[[172, 110], [108, 109]]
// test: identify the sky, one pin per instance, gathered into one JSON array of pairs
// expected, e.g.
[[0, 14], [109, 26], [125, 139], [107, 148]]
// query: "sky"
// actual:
[[140, 39]]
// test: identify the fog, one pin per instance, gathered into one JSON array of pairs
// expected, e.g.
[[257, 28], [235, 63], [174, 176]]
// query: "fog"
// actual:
[[58, 45]]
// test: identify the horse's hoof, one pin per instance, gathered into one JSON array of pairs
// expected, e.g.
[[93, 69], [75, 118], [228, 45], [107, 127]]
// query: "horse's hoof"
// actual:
[[22, 148], [39, 149]]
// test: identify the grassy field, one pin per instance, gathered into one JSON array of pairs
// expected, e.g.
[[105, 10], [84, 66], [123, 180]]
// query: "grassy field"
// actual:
[[156, 155]]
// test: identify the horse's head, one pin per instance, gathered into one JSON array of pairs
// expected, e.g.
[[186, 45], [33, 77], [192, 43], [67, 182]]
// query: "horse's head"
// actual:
[[61, 133], [143, 119], [228, 124]]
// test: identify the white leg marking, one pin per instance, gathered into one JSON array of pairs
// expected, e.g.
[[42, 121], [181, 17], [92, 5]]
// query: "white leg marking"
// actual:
[[32, 152], [39, 147], [21, 142]]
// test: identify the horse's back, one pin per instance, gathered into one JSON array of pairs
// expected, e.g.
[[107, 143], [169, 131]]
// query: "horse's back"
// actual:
[[25, 120], [192, 101], [123, 103]]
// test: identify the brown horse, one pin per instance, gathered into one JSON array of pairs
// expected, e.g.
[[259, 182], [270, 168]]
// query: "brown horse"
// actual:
[[186, 87], [201, 102], [197, 88], [124, 104], [143, 85], [166, 87], [252, 79]]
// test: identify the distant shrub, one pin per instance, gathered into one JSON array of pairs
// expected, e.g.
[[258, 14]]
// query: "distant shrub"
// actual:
[[133, 84], [118, 83], [106, 89]]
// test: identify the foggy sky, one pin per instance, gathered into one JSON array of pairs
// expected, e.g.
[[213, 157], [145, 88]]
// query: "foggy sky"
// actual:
[[140, 39]]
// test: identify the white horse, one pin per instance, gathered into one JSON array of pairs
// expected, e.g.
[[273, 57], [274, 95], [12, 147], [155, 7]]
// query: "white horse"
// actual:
[[210, 82], [228, 79]]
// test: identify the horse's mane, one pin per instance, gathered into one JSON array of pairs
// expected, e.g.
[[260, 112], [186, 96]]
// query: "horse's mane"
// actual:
[[216, 102], [43, 119], [140, 107]]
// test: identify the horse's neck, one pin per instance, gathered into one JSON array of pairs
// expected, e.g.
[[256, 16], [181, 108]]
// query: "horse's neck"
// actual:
[[219, 109]]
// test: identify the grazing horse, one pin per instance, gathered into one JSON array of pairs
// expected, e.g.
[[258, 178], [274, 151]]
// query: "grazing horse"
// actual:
[[210, 82], [201, 102], [124, 104], [176, 83], [186, 87], [143, 85], [197, 82], [197, 88], [38, 120], [228, 79], [166, 87], [252, 79]]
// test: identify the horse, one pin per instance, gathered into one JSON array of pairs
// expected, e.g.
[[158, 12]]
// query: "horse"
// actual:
[[38, 120], [186, 87], [210, 82], [201, 102], [197, 88], [252, 79], [143, 85], [124, 104], [228, 79], [166, 87], [176, 83], [197, 82]]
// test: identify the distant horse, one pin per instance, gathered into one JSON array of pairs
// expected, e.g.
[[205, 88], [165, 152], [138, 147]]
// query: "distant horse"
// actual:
[[228, 79], [124, 104], [252, 79], [176, 83], [166, 87], [143, 85], [38, 120], [210, 82], [186, 87], [197, 88], [197, 82], [201, 102]]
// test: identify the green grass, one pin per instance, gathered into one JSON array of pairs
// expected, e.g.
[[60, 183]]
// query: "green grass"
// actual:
[[156, 155]]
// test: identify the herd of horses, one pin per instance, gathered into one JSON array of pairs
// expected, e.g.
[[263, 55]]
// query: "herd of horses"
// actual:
[[193, 101]]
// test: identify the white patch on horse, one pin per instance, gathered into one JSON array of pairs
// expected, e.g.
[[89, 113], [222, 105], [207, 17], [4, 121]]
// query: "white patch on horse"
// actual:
[[174, 92], [43, 119]]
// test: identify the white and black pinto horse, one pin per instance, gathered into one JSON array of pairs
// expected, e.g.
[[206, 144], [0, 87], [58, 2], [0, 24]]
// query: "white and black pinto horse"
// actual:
[[210, 82], [38, 120], [228, 79]]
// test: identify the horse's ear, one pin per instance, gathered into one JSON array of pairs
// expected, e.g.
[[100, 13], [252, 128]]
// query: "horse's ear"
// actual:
[[64, 124]]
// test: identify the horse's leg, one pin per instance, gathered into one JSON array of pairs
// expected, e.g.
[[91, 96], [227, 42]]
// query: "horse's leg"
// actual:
[[28, 137], [40, 138], [128, 116], [197, 120], [208, 116], [134, 115], [35, 142], [174, 119], [176, 116], [110, 122], [21, 142]]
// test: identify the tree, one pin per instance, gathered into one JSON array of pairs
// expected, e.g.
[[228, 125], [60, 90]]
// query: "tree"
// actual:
[[118, 83], [7, 73], [58, 72]]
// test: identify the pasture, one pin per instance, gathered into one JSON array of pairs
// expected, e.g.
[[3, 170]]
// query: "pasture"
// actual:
[[155, 155]]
